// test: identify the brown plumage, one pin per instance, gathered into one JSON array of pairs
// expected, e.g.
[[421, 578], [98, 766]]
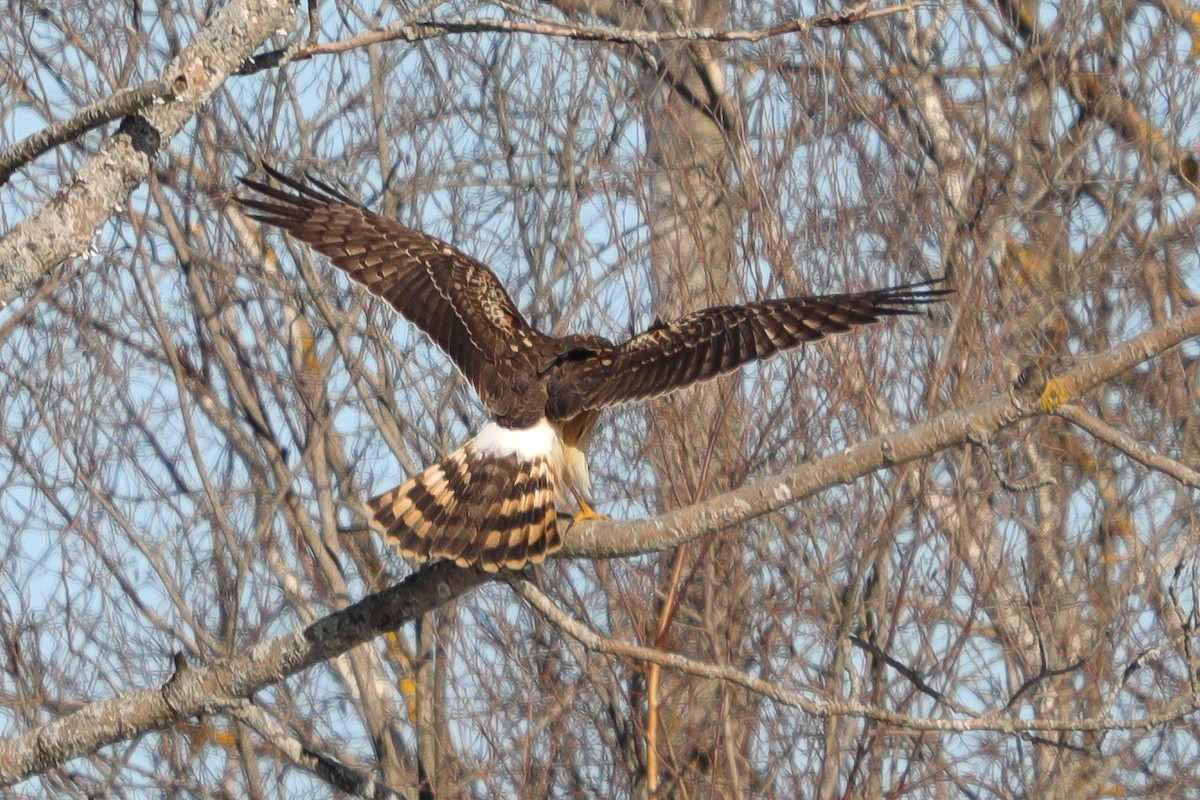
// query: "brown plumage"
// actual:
[[492, 501]]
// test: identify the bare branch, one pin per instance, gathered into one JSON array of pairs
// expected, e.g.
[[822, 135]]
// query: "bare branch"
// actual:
[[1126, 444], [610, 34], [221, 686], [341, 777], [65, 225], [105, 110], [991, 721], [979, 422]]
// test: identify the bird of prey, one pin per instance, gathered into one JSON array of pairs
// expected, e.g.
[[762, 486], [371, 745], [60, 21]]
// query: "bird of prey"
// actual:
[[492, 502]]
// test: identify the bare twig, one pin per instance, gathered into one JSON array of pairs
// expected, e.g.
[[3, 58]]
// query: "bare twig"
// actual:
[[910, 674], [585, 33], [341, 777], [1126, 444], [992, 721]]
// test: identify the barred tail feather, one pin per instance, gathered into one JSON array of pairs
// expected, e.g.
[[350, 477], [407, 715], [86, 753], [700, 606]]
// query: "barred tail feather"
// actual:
[[473, 507]]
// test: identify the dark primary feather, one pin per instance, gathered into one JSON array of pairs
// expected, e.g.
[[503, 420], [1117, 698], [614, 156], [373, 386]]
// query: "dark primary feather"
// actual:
[[715, 341], [450, 296]]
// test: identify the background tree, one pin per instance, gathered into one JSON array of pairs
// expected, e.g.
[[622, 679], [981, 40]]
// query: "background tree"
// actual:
[[994, 595]]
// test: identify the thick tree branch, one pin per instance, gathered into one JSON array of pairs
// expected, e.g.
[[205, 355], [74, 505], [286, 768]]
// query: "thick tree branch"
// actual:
[[65, 225], [221, 685], [105, 110], [977, 423]]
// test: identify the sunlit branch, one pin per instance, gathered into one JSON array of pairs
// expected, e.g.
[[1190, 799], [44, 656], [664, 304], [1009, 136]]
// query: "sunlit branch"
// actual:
[[831, 708], [222, 685], [1140, 453], [415, 32], [65, 226], [977, 423]]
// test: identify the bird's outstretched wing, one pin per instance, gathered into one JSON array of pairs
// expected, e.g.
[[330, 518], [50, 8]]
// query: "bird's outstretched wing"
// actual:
[[450, 296], [715, 341]]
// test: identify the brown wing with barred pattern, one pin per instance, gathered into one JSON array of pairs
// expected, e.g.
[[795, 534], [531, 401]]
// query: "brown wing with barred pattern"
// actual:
[[715, 341], [450, 296]]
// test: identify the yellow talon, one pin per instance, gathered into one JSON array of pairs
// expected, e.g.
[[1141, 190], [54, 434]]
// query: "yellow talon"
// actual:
[[1054, 395], [588, 513]]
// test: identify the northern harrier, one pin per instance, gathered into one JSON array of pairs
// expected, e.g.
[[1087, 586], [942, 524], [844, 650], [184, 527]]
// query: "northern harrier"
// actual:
[[492, 501]]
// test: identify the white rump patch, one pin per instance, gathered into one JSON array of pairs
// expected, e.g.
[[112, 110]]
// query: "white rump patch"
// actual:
[[527, 444]]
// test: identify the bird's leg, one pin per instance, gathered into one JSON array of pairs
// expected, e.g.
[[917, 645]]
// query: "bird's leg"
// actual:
[[586, 512]]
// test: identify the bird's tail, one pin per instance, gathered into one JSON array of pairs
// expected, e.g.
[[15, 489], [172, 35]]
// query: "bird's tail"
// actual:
[[474, 508]]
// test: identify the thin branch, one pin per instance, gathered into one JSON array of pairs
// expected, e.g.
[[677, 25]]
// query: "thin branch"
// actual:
[[908, 673], [1139, 452], [416, 32], [338, 775], [1043, 673], [123, 103], [992, 721]]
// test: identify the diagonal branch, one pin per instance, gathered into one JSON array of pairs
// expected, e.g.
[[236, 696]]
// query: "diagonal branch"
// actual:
[[343, 778], [123, 103], [821, 708], [974, 424], [1122, 441], [222, 684], [65, 225]]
